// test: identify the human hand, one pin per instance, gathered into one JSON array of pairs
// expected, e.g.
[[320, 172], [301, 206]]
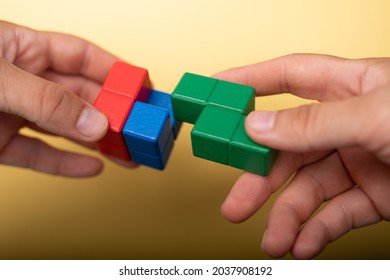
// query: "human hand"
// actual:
[[339, 151], [48, 82]]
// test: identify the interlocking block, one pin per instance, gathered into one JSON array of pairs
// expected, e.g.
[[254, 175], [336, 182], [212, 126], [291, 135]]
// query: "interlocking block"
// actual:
[[163, 100], [190, 96], [233, 96], [248, 155], [218, 110], [147, 129], [123, 85], [127, 79], [115, 151], [157, 162], [116, 107], [212, 133]]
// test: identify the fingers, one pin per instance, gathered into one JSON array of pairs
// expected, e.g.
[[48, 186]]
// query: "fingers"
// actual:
[[326, 126], [313, 185], [34, 154], [71, 55], [319, 77], [85, 88], [36, 52], [50, 106], [372, 175], [349, 210], [251, 191]]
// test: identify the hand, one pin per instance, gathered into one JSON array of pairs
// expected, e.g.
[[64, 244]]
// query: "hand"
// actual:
[[339, 151], [28, 60]]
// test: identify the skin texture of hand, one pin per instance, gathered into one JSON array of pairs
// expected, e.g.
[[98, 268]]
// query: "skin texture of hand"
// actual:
[[48, 82], [338, 151]]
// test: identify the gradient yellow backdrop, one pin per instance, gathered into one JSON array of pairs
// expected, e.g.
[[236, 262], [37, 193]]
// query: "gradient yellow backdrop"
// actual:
[[148, 214]]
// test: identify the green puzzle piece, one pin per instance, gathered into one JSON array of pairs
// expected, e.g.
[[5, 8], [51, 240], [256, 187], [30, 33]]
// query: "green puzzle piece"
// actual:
[[233, 96], [190, 96], [248, 155], [218, 110], [212, 133]]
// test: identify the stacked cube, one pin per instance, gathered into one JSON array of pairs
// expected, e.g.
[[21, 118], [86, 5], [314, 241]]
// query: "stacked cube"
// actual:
[[141, 123], [218, 110]]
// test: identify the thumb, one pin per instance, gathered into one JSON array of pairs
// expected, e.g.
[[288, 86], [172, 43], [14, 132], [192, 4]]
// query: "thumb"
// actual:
[[49, 105], [361, 121]]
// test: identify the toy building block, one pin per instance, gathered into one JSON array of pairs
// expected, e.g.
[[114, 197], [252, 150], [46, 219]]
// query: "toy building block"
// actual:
[[147, 129], [157, 162], [124, 85], [233, 96], [115, 151], [218, 109], [248, 155], [163, 100], [141, 123], [190, 96], [148, 134], [116, 107], [212, 132], [127, 80]]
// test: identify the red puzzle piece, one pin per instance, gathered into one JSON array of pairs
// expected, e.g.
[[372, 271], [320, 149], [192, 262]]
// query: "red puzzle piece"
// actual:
[[125, 79], [116, 107], [123, 85], [114, 151]]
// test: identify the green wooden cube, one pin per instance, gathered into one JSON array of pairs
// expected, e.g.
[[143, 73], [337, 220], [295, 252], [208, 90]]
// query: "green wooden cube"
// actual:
[[212, 133], [248, 155], [233, 96], [190, 96]]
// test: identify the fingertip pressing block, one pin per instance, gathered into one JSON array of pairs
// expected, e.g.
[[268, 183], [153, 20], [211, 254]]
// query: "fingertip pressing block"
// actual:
[[116, 108], [247, 155]]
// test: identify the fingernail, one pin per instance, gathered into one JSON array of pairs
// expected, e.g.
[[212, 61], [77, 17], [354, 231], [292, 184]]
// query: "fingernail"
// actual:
[[91, 122], [261, 121]]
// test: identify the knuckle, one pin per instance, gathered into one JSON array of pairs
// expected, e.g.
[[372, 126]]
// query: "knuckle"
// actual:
[[54, 103], [374, 134], [302, 124]]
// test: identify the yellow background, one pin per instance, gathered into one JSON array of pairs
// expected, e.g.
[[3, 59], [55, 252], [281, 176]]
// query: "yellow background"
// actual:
[[148, 214]]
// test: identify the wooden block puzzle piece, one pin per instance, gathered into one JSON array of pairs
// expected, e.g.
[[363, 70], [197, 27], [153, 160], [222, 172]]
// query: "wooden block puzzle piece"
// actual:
[[147, 129], [233, 96], [218, 109], [212, 132], [157, 162], [149, 135], [126, 98], [163, 100], [121, 88], [248, 155], [126, 79], [116, 107], [115, 151], [190, 96]]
